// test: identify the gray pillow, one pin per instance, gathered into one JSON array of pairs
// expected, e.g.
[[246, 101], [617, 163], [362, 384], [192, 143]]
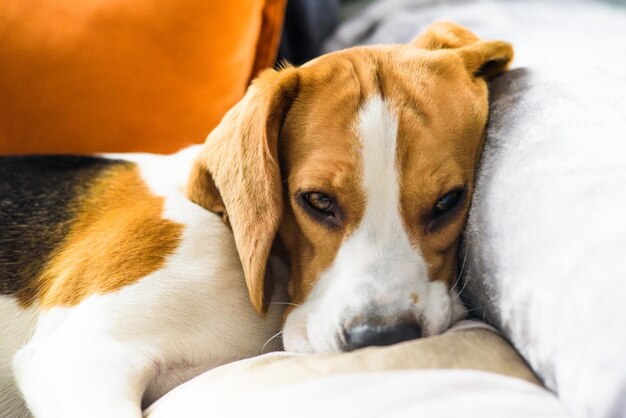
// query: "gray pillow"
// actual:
[[546, 238]]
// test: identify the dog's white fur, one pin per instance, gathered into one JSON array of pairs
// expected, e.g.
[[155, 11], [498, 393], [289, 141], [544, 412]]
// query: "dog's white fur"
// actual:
[[376, 266], [101, 355]]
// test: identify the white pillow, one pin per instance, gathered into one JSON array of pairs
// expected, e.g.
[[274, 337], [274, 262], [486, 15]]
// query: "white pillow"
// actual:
[[399, 394], [546, 237]]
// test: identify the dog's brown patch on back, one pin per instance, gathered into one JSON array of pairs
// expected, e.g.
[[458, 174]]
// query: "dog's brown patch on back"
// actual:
[[118, 237]]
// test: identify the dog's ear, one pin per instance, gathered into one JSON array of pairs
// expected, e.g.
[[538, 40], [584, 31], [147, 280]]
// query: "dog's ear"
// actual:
[[482, 58], [237, 174]]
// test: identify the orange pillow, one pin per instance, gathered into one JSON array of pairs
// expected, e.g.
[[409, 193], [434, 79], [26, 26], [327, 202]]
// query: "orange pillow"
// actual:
[[116, 75]]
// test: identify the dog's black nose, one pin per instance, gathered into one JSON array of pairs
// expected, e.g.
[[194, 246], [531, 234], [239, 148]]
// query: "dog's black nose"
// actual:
[[365, 335]]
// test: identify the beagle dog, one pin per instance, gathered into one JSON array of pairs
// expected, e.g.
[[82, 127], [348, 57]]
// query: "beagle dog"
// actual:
[[338, 189]]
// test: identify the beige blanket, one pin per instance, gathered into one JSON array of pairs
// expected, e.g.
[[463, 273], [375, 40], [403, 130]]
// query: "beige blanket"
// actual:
[[469, 345]]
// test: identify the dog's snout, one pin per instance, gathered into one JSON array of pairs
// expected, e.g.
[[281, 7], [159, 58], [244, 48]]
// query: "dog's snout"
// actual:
[[366, 335]]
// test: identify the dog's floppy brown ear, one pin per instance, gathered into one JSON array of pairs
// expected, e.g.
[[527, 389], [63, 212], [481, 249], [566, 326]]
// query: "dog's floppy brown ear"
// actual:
[[482, 58], [237, 173]]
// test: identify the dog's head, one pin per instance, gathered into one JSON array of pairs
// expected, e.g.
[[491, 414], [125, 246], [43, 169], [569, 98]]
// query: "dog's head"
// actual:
[[360, 164]]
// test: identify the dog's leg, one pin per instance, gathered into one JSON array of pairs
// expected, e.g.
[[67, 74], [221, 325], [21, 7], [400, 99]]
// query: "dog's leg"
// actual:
[[81, 373]]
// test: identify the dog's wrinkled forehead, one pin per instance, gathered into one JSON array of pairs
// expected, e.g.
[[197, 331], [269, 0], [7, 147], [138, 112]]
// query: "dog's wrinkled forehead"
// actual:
[[436, 101], [438, 109]]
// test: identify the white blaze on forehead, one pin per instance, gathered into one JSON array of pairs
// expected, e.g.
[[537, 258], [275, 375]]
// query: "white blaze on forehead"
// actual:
[[377, 129], [381, 226]]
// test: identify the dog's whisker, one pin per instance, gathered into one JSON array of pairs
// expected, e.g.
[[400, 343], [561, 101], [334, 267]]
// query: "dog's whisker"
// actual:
[[458, 295], [271, 338], [458, 277], [279, 333]]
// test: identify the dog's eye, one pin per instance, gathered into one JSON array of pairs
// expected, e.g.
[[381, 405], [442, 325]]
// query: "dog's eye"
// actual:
[[319, 202], [321, 207], [448, 202]]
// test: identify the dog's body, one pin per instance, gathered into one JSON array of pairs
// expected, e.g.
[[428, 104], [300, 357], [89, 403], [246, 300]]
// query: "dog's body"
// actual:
[[122, 276], [160, 290]]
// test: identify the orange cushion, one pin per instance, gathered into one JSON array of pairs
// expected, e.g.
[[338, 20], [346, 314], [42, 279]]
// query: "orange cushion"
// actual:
[[116, 75]]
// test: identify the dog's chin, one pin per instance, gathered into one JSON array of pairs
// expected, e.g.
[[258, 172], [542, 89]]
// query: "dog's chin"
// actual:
[[314, 328]]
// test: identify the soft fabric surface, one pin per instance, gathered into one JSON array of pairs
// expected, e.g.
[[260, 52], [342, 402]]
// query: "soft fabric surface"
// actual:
[[277, 379], [546, 242], [117, 75], [422, 393]]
